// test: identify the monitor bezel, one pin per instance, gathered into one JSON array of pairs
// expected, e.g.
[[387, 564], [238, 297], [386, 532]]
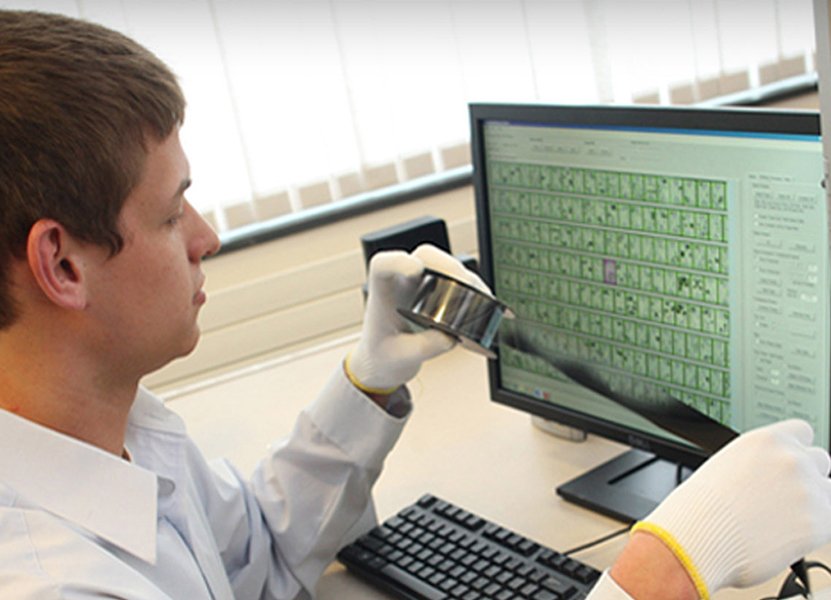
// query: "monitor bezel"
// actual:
[[774, 121]]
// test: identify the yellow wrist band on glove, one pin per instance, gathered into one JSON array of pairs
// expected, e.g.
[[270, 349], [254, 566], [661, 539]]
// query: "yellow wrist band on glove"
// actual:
[[365, 389], [679, 552]]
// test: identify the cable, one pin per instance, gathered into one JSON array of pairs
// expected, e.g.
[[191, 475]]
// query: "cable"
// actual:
[[792, 587], [598, 541]]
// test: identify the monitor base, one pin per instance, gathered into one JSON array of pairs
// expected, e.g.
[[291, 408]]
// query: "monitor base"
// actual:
[[626, 488], [564, 432]]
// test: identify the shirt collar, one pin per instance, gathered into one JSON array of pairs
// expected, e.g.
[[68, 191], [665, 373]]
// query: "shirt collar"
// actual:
[[149, 412], [85, 485]]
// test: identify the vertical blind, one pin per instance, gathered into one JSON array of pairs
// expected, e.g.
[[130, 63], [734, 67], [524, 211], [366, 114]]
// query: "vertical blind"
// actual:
[[298, 103]]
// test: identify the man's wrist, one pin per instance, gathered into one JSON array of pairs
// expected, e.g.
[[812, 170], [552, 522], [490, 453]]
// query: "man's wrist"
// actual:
[[372, 392], [379, 397], [648, 570]]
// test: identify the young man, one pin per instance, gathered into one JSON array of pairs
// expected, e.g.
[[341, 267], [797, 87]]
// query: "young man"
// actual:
[[102, 494]]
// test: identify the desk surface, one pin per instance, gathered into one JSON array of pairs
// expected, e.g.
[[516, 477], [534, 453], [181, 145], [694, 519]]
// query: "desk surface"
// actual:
[[458, 445]]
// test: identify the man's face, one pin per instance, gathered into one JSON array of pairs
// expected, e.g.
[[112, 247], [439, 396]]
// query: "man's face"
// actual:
[[146, 298]]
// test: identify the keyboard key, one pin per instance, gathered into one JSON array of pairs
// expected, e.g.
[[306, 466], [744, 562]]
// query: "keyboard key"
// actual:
[[526, 547], [357, 554], [492, 571], [410, 513], [446, 566], [502, 536], [457, 536], [492, 590], [468, 577], [473, 523], [415, 566], [405, 561], [480, 583], [491, 553], [480, 565], [553, 584], [525, 570], [448, 584], [570, 567], [480, 547], [504, 577], [371, 543], [536, 576], [515, 583], [382, 533], [417, 585], [586, 574], [528, 590], [426, 501], [557, 561]]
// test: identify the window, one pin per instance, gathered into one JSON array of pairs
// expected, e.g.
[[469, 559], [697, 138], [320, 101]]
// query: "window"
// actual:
[[295, 104]]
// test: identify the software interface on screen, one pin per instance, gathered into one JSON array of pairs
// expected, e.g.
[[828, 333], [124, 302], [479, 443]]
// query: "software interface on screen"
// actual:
[[695, 260]]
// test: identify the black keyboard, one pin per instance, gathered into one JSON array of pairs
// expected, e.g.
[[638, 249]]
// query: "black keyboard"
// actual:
[[434, 550]]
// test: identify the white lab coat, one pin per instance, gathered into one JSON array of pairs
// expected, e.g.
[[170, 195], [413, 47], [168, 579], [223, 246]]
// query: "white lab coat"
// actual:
[[79, 523]]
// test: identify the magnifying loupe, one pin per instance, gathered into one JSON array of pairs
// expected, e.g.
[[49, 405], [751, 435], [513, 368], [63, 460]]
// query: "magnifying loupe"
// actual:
[[458, 309]]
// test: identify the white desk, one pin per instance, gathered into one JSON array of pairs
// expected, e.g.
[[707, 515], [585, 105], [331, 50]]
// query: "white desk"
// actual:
[[458, 445]]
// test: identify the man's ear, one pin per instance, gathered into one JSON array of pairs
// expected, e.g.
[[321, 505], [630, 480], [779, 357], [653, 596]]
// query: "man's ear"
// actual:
[[57, 264]]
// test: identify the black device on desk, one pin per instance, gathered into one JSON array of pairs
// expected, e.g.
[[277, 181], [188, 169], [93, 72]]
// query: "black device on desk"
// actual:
[[681, 249], [406, 236], [435, 550]]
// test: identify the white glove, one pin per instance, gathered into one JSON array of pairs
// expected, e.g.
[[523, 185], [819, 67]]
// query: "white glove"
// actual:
[[388, 353], [755, 507]]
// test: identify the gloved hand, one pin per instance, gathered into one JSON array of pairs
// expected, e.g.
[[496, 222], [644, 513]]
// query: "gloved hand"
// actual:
[[755, 507], [388, 354]]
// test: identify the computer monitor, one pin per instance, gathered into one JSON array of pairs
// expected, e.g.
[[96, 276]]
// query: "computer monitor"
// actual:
[[679, 249]]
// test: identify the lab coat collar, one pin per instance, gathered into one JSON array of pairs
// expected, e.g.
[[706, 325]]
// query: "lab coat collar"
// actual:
[[85, 485]]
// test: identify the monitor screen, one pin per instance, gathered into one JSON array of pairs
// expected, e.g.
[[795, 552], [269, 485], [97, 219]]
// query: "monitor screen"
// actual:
[[684, 250]]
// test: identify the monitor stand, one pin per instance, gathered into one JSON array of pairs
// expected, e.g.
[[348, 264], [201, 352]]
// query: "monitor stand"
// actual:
[[627, 487]]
